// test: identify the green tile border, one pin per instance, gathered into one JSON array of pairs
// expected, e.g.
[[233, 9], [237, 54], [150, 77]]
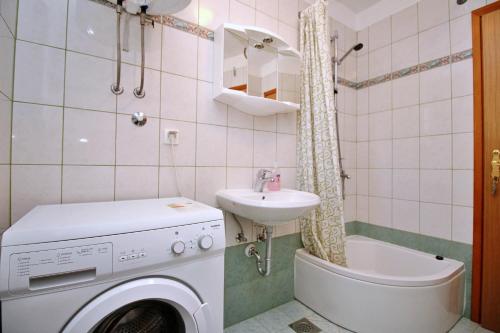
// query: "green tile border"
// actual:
[[438, 246]]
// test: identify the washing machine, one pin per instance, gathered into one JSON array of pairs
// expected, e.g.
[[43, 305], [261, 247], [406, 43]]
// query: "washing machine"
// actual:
[[114, 267]]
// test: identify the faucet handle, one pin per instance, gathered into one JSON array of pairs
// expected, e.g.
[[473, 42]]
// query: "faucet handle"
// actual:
[[263, 173]]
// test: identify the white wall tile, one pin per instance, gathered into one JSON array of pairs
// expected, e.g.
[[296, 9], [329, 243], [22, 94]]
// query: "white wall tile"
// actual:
[[380, 125], [435, 186], [405, 121], [208, 182], [88, 82], [362, 208], [88, 183], [39, 74], [36, 134], [89, 137], [150, 103], [4, 197], [435, 118], [270, 7], [43, 22], [379, 62], [380, 97], [5, 130], [178, 95], [240, 177], [152, 42], [350, 208], [380, 153], [137, 145], [380, 211], [178, 54], [405, 53], [406, 215], [380, 182], [211, 145], [185, 151], [209, 110], [363, 37], [239, 119], [213, 13], [241, 14], [286, 150], [185, 178], [435, 152], [461, 73], [432, 13], [348, 154], [363, 125], [463, 151], [6, 60], [190, 13], [463, 187], [380, 34], [434, 43], [288, 178], [457, 10], [265, 123], [435, 220], [362, 68], [362, 101], [136, 182], [405, 23], [264, 154], [205, 59], [34, 185], [239, 147], [362, 182], [350, 184], [462, 224], [362, 155], [406, 184], [8, 10], [406, 153], [286, 123], [462, 110], [405, 91], [435, 84], [288, 10], [461, 34]]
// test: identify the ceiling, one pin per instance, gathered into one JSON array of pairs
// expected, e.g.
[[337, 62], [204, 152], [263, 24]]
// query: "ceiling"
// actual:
[[358, 5]]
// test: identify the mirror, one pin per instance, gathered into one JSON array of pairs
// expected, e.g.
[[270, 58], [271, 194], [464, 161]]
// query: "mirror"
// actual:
[[288, 78], [262, 70], [235, 62]]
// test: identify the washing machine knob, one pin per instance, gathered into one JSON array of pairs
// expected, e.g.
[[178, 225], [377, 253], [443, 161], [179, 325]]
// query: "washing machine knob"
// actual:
[[205, 242], [178, 247]]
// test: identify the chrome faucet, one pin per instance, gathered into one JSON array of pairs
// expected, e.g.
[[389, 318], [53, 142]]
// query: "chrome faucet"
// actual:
[[263, 176]]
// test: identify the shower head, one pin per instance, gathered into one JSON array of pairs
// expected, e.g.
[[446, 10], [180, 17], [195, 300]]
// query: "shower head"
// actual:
[[356, 48]]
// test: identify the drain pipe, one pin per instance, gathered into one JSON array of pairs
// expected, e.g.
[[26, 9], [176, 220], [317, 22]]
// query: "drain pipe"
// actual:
[[139, 91], [115, 87], [264, 269]]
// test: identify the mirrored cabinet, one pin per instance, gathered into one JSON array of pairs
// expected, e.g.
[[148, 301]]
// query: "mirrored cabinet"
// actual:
[[256, 71]]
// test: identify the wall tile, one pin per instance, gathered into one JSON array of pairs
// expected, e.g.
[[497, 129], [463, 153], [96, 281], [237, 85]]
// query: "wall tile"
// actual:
[[461, 73], [349, 208], [178, 95], [435, 152], [379, 62], [240, 177], [435, 220], [380, 182], [213, 13], [362, 68], [287, 123], [177, 54], [405, 53], [88, 82], [5, 130], [380, 34], [241, 14], [4, 197], [362, 182], [152, 42], [435, 84], [457, 10], [406, 184], [36, 134], [405, 91], [34, 185], [288, 10], [185, 151], [362, 101], [435, 118], [39, 74], [190, 13], [381, 211], [137, 145], [134, 182], [434, 43], [6, 59], [432, 13], [462, 110], [363, 125], [289, 34], [209, 110], [406, 153], [8, 10], [405, 23], [380, 125], [435, 186], [89, 137], [463, 151], [380, 154], [288, 178], [404, 122], [131, 78], [239, 147], [350, 184], [286, 150], [43, 22], [405, 215], [463, 188], [267, 22], [211, 145], [462, 224], [380, 97], [205, 59], [362, 155], [362, 208], [270, 7], [185, 178], [208, 182], [461, 34], [88, 183], [239, 119], [265, 123], [264, 154]]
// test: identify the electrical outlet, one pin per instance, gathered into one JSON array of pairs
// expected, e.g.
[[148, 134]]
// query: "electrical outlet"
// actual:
[[171, 136]]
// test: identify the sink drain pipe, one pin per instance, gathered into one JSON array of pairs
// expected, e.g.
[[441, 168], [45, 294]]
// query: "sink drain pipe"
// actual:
[[263, 266]]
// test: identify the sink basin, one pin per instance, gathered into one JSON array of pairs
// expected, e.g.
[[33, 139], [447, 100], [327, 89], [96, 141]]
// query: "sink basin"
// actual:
[[268, 208]]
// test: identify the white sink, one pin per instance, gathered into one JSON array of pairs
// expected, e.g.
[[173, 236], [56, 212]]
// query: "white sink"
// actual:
[[268, 208]]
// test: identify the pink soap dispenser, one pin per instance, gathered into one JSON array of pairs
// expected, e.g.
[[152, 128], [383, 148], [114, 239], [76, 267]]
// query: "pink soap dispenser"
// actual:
[[275, 183]]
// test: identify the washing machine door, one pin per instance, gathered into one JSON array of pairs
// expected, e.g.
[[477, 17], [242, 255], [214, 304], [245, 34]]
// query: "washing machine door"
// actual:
[[147, 305]]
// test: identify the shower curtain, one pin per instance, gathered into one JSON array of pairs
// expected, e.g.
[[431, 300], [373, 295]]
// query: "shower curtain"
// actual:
[[323, 232]]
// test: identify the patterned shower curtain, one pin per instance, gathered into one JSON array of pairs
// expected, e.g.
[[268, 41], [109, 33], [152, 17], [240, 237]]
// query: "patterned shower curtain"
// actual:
[[323, 232]]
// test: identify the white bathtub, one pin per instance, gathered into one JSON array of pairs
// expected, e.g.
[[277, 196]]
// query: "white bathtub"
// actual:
[[387, 288]]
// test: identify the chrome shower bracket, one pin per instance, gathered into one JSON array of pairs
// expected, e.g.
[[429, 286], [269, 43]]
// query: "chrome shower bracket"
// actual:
[[115, 87]]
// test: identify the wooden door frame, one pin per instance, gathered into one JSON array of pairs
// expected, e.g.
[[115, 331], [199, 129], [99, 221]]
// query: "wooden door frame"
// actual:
[[477, 244]]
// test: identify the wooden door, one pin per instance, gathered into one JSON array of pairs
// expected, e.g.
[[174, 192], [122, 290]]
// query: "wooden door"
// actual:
[[486, 261]]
